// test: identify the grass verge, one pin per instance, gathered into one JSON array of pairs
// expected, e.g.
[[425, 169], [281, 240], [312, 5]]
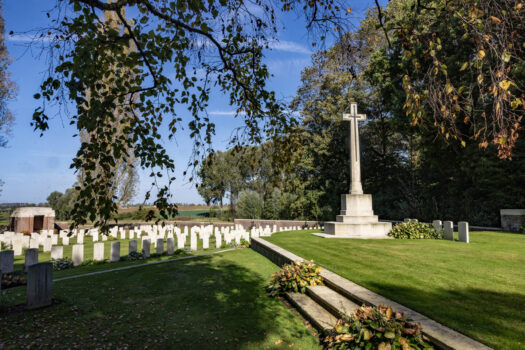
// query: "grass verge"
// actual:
[[211, 302], [477, 289]]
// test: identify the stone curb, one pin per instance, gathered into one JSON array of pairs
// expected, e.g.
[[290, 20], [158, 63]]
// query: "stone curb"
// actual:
[[140, 265], [442, 336]]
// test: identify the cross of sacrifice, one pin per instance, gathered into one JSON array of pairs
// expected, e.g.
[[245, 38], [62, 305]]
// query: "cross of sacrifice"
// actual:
[[355, 161]]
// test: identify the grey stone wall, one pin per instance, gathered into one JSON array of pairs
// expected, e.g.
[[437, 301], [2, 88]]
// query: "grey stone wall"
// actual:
[[250, 223]]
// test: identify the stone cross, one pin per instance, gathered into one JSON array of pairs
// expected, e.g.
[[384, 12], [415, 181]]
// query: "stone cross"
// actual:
[[355, 159]]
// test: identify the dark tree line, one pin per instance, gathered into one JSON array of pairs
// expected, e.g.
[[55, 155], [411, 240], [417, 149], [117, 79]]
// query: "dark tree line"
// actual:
[[409, 170]]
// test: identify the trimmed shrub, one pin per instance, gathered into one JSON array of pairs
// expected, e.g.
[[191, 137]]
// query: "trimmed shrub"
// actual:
[[414, 230], [135, 256], [295, 278], [377, 328], [62, 264]]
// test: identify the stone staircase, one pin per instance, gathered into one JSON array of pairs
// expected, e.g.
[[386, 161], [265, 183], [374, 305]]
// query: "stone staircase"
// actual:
[[323, 305]]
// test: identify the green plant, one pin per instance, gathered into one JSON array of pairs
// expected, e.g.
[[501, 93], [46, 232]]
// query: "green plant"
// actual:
[[376, 328], [62, 264], [414, 230], [91, 262], [132, 256], [295, 277], [522, 228]]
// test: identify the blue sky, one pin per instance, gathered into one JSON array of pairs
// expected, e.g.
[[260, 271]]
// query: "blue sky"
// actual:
[[34, 166]]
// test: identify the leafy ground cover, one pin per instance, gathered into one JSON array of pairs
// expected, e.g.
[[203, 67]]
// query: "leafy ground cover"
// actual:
[[211, 302], [477, 288]]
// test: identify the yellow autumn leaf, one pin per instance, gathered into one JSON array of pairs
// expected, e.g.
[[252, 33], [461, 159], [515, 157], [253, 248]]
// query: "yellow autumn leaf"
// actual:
[[495, 20], [480, 78], [463, 143], [481, 54], [463, 67], [504, 84]]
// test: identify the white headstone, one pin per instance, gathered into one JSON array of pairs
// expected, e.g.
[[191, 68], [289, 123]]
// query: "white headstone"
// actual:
[[448, 227], [7, 260], [132, 246], [78, 254], [57, 252], [438, 225], [171, 245], [218, 240], [31, 257], [80, 238], [160, 246], [115, 252], [47, 245], [65, 240], [98, 251], [463, 232], [17, 247], [146, 246], [33, 243], [193, 241]]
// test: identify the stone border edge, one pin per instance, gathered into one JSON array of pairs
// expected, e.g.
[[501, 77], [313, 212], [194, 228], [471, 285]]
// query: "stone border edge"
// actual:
[[442, 336]]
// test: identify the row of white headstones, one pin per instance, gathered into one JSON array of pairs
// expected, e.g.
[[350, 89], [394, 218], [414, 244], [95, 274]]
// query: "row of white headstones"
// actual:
[[148, 234], [447, 227]]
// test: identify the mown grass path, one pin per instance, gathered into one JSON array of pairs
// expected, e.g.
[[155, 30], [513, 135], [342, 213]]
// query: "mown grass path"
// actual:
[[477, 289], [209, 302]]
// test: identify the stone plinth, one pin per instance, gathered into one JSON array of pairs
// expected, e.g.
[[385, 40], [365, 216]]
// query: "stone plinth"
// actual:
[[357, 220]]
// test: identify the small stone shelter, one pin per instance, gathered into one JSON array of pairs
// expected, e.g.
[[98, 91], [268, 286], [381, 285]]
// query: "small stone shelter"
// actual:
[[512, 219], [32, 219]]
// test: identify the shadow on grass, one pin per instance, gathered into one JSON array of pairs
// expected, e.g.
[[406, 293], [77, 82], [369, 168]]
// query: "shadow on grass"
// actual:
[[464, 307], [204, 303]]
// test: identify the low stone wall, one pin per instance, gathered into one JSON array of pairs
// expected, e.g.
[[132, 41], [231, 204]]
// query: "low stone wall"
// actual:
[[249, 223], [512, 219], [65, 226], [274, 253]]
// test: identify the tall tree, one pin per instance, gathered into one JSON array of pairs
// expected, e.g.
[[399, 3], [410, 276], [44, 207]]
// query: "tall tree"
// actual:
[[7, 87], [122, 176], [206, 44]]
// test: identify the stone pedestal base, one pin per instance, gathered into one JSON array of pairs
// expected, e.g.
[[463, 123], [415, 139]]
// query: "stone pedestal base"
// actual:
[[357, 220]]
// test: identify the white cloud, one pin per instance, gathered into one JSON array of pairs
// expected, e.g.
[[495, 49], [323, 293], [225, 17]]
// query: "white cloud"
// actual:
[[223, 113], [289, 46], [26, 38]]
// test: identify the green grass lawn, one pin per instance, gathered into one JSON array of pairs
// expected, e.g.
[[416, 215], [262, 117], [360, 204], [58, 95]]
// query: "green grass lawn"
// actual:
[[477, 288], [212, 302]]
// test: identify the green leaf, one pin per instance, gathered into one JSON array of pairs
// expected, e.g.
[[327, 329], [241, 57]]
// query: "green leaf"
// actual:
[[506, 56]]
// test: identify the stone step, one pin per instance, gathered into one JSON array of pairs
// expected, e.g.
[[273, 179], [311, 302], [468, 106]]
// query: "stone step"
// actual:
[[319, 317], [332, 301]]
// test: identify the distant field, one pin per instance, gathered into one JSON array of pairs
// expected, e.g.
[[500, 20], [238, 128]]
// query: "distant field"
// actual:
[[4, 218]]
